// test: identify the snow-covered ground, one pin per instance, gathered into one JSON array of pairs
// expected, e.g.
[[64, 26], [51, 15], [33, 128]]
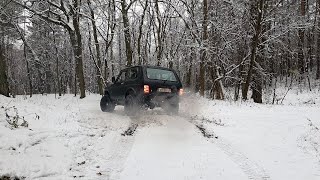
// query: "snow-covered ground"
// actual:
[[69, 138]]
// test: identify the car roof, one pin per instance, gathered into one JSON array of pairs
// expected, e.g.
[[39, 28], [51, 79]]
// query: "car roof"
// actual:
[[149, 66]]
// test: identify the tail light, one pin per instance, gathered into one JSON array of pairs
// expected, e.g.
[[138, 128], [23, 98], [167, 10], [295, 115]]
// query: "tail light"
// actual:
[[181, 92], [146, 89]]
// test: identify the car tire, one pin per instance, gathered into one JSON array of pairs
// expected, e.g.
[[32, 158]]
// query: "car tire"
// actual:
[[106, 104], [131, 106], [172, 107]]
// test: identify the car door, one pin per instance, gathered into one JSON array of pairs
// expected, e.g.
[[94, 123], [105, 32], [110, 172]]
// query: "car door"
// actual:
[[132, 81], [116, 92]]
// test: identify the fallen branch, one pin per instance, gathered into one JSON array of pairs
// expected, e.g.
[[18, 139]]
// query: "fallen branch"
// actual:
[[13, 117], [289, 88]]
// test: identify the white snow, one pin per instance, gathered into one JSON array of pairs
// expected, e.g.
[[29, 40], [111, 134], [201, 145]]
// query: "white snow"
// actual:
[[73, 139]]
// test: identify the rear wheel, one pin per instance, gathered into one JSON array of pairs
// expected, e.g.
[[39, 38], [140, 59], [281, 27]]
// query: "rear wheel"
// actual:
[[172, 105], [106, 104], [174, 108], [171, 108], [131, 106]]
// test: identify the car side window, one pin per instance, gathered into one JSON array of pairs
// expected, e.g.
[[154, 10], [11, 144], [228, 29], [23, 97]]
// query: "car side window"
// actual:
[[132, 74], [121, 77], [127, 75]]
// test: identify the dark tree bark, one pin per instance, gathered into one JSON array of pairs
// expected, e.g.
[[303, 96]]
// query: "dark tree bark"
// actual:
[[126, 31], [97, 45], [318, 42], [258, 77], [254, 46], [203, 51], [57, 65], [140, 32], [301, 61], [216, 89], [109, 41], [240, 56], [190, 68], [76, 42], [159, 33], [4, 85], [28, 71]]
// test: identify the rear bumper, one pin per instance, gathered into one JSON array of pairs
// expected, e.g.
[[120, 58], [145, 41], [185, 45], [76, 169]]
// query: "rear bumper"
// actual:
[[159, 99]]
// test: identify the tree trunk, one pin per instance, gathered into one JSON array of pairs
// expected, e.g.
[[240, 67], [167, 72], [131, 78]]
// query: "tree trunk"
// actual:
[[301, 62], [28, 70], [241, 54], [77, 51], [216, 89], [257, 83], [127, 36], [318, 52], [258, 76], [159, 34], [27, 46], [76, 42], [109, 42], [140, 32], [189, 73], [4, 85], [147, 47], [57, 65], [257, 91], [112, 60], [318, 42], [255, 42], [203, 51], [97, 45]]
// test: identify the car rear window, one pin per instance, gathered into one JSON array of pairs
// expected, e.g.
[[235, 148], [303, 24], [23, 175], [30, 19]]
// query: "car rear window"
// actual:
[[160, 74]]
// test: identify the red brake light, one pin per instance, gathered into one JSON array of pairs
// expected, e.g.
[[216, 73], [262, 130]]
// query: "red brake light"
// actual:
[[146, 89], [181, 92]]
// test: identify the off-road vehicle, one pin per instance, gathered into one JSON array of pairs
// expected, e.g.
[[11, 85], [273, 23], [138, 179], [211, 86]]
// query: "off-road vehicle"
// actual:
[[143, 87]]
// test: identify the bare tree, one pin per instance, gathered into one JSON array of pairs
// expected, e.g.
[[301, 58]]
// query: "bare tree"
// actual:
[[301, 42], [97, 45], [203, 51], [213, 45], [126, 25], [4, 85], [318, 41], [66, 14], [255, 42], [140, 32]]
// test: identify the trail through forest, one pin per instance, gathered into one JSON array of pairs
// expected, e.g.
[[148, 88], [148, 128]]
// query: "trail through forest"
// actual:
[[72, 138]]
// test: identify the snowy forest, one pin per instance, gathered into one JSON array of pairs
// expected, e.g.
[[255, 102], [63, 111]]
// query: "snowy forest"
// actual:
[[188, 89], [223, 49]]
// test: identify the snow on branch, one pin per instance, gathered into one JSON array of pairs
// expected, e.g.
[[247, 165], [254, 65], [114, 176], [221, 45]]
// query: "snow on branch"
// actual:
[[58, 20]]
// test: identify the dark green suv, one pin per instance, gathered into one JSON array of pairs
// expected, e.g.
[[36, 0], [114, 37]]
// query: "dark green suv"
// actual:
[[141, 87]]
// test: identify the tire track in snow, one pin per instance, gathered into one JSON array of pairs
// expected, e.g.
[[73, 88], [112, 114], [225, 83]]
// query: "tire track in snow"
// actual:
[[131, 130], [119, 138], [110, 156], [252, 169], [118, 155], [124, 143], [249, 167], [99, 150]]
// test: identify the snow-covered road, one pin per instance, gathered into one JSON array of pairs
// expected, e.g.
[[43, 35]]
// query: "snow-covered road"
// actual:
[[74, 139], [174, 148]]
